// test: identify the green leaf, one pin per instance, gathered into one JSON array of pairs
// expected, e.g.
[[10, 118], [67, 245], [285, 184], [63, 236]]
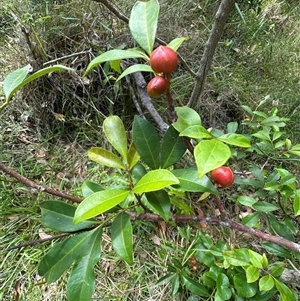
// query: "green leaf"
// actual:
[[62, 255], [232, 127], [256, 259], [223, 288], [175, 284], [263, 206], [58, 215], [115, 54], [251, 219], [195, 287], [246, 200], [155, 180], [146, 141], [277, 250], [244, 289], [210, 154], [135, 68], [114, 130], [138, 171], [132, 156], [105, 157], [252, 274], [172, 148], [88, 187], [121, 237], [286, 293], [237, 257], [158, 202], [296, 205], [189, 181], [266, 283], [182, 205], [17, 79], [143, 23], [280, 228], [176, 43], [235, 139], [81, 282], [186, 117], [98, 203], [196, 132], [277, 268]]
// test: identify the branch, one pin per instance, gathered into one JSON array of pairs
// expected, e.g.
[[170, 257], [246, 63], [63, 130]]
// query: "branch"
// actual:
[[221, 17], [116, 11], [37, 186]]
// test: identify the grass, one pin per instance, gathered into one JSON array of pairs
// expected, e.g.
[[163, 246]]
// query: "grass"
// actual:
[[257, 58]]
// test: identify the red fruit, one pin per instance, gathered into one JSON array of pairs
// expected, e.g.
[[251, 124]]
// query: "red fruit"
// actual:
[[157, 86], [223, 176], [163, 60]]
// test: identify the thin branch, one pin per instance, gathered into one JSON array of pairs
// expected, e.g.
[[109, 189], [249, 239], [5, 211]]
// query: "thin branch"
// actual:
[[221, 17], [37, 186], [117, 12]]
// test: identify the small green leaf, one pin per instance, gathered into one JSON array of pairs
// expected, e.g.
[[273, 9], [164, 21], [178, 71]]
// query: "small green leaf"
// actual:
[[176, 43], [182, 205], [196, 132], [88, 187], [286, 293], [256, 259], [277, 268], [132, 156], [232, 127], [155, 180], [115, 54], [81, 282], [244, 289], [135, 68], [235, 139], [195, 287], [138, 171], [172, 148], [210, 154], [189, 181], [114, 130], [237, 257], [186, 117], [296, 205], [175, 284], [252, 274], [223, 287], [143, 23], [263, 206], [105, 157], [246, 200], [266, 283], [98, 203], [121, 237], [251, 219], [158, 202], [146, 141], [58, 215]]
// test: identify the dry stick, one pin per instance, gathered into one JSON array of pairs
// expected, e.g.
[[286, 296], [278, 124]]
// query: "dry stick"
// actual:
[[37, 186], [221, 17], [116, 11], [153, 217]]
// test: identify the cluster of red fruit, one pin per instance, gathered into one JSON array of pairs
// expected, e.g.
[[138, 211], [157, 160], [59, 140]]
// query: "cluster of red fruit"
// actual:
[[162, 60]]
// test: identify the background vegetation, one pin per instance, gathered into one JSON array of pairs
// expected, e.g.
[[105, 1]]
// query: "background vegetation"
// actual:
[[49, 127]]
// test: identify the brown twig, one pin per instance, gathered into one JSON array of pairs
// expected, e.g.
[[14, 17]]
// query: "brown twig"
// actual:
[[37, 186]]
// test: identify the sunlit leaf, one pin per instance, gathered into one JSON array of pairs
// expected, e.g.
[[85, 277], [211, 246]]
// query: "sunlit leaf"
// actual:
[[186, 117], [176, 43], [266, 283], [105, 157], [252, 274], [135, 68], [235, 139]]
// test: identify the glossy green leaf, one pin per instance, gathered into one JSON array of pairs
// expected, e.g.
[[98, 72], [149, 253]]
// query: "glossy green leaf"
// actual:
[[98, 203], [63, 254], [146, 141], [121, 237], [172, 148], [158, 202], [132, 156], [135, 68], [115, 54], [58, 215], [252, 274], [17, 79], [81, 282], [196, 132], [189, 181], [266, 283], [186, 117], [114, 130], [195, 287], [286, 293], [223, 288], [155, 180], [143, 23], [105, 157], [138, 171], [235, 139], [256, 259], [88, 187], [263, 206], [237, 257], [210, 154], [244, 289], [277, 250], [176, 43]]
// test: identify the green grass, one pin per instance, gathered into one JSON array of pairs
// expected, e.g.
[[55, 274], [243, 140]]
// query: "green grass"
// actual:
[[254, 59]]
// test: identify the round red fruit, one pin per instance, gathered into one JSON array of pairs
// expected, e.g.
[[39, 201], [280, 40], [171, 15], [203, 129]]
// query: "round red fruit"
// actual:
[[157, 86], [163, 60], [223, 176]]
